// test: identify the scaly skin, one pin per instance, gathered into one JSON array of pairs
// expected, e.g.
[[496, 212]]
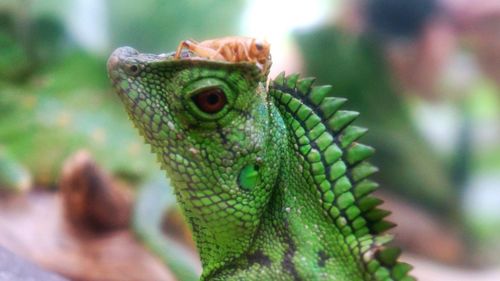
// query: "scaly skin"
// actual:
[[273, 185]]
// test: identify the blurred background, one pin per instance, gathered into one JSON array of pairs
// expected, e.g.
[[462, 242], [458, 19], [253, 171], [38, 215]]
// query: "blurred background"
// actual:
[[425, 75]]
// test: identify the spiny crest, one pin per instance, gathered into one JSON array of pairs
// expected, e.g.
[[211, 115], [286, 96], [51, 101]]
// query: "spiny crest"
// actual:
[[323, 135]]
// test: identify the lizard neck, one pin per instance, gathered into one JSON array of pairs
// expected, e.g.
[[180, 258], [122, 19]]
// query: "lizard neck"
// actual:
[[225, 235], [293, 237], [296, 239]]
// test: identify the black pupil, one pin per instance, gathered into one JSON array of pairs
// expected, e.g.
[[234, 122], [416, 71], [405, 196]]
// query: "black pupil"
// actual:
[[133, 68], [213, 99], [210, 100]]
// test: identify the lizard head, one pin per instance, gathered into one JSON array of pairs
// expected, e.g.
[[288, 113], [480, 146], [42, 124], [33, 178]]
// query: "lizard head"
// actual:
[[212, 129]]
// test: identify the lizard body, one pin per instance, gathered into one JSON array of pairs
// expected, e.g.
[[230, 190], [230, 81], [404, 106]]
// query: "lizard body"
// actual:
[[271, 181]]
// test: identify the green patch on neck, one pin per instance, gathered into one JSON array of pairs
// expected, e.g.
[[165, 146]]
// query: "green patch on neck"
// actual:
[[249, 177]]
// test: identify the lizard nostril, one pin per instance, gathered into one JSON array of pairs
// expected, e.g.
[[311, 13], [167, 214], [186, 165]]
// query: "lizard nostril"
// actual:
[[134, 68]]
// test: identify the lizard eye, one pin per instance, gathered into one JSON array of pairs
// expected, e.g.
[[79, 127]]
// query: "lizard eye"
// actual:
[[210, 100]]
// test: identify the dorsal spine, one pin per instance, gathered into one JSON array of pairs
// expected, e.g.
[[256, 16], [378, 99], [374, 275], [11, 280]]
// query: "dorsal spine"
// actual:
[[323, 135]]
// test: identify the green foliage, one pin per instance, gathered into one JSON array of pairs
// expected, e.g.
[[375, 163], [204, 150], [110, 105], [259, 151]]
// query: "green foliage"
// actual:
[[14, 61], [64, 108], [158, 26], [13, 176]]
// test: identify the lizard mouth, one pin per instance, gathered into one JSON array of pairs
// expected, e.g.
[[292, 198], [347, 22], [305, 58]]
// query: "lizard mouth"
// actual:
[[125, 65], [124, 57], [119, 55]]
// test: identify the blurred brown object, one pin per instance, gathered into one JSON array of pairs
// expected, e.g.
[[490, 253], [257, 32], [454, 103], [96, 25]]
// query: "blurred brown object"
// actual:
[[92, 199], [479, 23], [466, 12], [426, 270], [81, 232], [174, 225], [34, 226], [421, 233]]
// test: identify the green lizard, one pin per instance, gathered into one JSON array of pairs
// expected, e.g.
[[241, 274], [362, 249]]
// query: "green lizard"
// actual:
[[272, 181]]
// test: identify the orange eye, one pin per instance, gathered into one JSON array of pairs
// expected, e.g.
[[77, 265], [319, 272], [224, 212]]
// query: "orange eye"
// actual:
[[210, 100]]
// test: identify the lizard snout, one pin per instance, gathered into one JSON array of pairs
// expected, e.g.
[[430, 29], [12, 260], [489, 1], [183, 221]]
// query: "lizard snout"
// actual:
[[117, 57]]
